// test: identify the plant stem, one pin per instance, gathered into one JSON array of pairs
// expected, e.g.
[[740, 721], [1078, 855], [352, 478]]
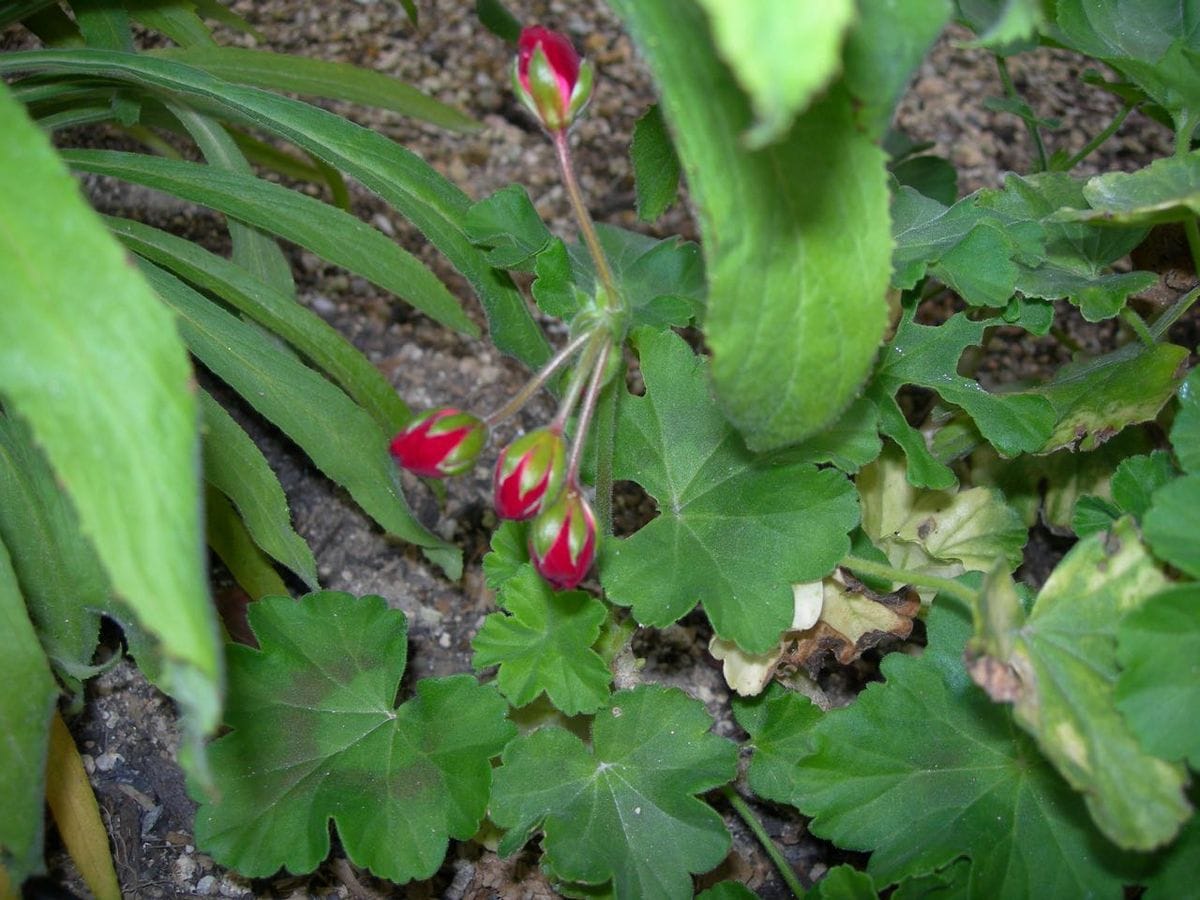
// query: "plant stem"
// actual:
[[1091, 146], [605, 439], [1134, 321], [1193, 239], [742, 808], [586, 227], [521, 397], [578, 379], [1172, 315], [904, 576], [589, 407], [1065, 339], [1011, 90]]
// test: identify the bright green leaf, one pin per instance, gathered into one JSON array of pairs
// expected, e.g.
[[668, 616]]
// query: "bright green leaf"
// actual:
[[655, 165], [623, 809], [1172, 524], [1137, 477], [1093, 514], [798, 266], [727, 890], [26, 704], [1003, 26], [1063, 661], [508, 225], [544, 643], [1158, 690], [1185, 432], [734, 532], [509, 553], [316, 737], [92, 361], [778, 722], [924, 768], [845, 882], [1167, 190], [849, 443]]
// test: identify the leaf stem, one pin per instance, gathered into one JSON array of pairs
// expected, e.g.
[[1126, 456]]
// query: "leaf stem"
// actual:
[[586, 227], [1011, 90], [1094, 144], [1172, 315], [1138, 326], [605, 441], [904, 576], [521, 397], [595, 384], [742, 808], [578, 379]]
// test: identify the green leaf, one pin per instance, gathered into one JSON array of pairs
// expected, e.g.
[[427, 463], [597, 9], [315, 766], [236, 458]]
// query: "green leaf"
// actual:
[[1158, 690], [1173, 522], [509, 554], [778, 722], [1093, 514], [727, 890], [1003, 26], [103, 24], [401, 178], [92, 361], [316, 734], [544, 644], [1176, 875], [320, 78], [1185, 432], [782, 55], [1061, 673], [26, 704], [495, 17], [948, 883], [229, 539], [508, 225], [655, 165], [923, 769], [1094, 399], [882, 50], [176, 19], [931, 176], [849, 443], [237, 468], [793, 334], [325, 230], [1137, 477], [63, 583], [301, 404], [623, 809], [1167, 190], [734, 532], [845, 882], [301, 327]]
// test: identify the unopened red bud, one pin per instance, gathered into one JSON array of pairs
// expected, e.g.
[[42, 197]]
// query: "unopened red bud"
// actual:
[[439, 442], [529, 473], [562, 540], [550, 78]]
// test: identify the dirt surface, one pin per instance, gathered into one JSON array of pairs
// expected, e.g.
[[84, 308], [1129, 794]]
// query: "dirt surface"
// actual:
[[128, 732]]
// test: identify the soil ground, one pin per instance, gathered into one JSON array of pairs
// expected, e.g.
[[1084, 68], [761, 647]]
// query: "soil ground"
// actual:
[[127, 730]]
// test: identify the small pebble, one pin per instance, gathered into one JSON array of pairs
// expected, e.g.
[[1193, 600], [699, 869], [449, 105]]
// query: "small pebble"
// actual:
[[105, 762]]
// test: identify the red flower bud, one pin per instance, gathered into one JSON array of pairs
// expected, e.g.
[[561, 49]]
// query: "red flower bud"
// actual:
[[562, 540], [529, 473], [549, 78], [439, 442]]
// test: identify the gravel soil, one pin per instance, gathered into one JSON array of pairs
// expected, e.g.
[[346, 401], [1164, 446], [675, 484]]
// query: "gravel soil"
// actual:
[[127, 730]]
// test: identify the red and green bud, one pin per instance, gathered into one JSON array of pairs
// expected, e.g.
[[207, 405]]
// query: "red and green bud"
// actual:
[[439, 442], [562, 540], [530, 473], [549, 77]]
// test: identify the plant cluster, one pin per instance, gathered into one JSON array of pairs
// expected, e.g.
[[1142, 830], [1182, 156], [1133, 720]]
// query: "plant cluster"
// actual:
[[828, 473]]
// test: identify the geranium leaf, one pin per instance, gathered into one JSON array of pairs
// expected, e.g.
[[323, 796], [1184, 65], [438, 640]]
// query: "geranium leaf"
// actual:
[[923, 769], [1137, 478], [1167, 190], [1185, 433], [507, 224], [734, 531], [623, 809], [545, 644], [509, 553], [316, 735], [655, 165], [1176, 874], [845, 882], [779, 722], [1173, 522], [1063, 665], [1158, 691]]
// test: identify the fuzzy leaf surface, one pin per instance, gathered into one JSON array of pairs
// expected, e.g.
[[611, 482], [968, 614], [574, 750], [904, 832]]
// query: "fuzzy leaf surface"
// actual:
[[953, 777], [624, 809], [1158, 690], [544, 644], [734, 531], [798, 266], [1063, 657], [316, 737]]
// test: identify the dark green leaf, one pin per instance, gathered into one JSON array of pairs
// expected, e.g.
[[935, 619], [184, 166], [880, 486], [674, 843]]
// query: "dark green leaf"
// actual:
[[217, 11], [176, 19], [1093, 514], [302, 328], [727, 890], [1158, 646], [1176, 874], [237, 468], [544, 644], [1185, 433], [508, 225], [103, 24], [495, 17], [316, 737], [301, 403], [229, 539], [623, 809], [323, 229], [778, 722], [932, 176], [655, 165], [320, 78], [1003, 26], [734, 532], [1173, 523], [26, 704], [845, 882], [92, 361], [849, 443], [1137, 478], [792, 333], [948, 883], [1061, 672], [923, 769]]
